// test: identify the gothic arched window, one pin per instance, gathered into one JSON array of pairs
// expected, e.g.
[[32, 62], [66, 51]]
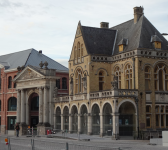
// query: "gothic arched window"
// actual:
[[117, 72], [64, 83], [161, 77], [128, 76], [9, 82], [78, 47], [147, 78]]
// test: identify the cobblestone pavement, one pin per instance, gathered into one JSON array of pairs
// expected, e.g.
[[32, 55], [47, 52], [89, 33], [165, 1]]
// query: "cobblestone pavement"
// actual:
[[96, 143]]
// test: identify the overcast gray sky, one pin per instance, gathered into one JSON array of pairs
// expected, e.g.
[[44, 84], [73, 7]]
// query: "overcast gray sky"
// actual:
[[50, 25]]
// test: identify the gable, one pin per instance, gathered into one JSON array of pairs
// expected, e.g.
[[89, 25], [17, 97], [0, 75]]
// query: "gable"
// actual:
[[28, 73], [79, 47]]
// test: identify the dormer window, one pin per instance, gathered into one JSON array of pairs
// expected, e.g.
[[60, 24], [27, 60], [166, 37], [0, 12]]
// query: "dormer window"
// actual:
[[156, 42], [122, 44]]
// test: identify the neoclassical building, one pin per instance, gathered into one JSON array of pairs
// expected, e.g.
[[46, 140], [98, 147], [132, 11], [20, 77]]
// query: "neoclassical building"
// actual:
[[28, 81], [118, 81]]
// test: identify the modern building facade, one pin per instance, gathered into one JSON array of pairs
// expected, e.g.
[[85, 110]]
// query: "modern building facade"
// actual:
[[118, 81], [25, 89]]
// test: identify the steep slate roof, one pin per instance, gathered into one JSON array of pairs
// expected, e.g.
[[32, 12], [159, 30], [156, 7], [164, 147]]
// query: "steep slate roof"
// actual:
[[139, 35], [98, 40], [28, 57]]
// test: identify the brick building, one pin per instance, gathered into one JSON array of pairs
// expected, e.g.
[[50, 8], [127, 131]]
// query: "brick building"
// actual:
[[10, 70], [118, 81]]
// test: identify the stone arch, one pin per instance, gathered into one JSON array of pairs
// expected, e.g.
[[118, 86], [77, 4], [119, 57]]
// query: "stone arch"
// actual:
[[70, 108], [159, 61], [32, 91], [127, 62], [97, 104], [101, 69], [146, 64], [79, 110], [126, 100], [107, 102], [78, 67], [85, 71], [57, 107], [115, 67], [64, 107]]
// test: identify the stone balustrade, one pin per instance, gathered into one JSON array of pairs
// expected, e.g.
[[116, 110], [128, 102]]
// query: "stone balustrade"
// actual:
[[102, 94], [62, 99], [127, 93]]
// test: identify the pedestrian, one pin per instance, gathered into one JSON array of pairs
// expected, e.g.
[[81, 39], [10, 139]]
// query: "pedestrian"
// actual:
[[17, 128]]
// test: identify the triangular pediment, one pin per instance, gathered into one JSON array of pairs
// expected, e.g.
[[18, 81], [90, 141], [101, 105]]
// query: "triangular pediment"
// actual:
[[28, 73]]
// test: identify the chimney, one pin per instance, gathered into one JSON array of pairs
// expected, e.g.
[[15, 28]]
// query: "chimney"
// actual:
[[104, 25], [138, 12], [40, 51]]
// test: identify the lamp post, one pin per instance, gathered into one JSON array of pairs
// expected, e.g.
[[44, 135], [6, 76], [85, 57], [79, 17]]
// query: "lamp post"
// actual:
[[136, 101]]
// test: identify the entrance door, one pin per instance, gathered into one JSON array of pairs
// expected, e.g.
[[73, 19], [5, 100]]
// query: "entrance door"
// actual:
[[126, 125], [34, 121]]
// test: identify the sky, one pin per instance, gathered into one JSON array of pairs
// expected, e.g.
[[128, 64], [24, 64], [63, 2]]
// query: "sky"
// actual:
[[50, 25]]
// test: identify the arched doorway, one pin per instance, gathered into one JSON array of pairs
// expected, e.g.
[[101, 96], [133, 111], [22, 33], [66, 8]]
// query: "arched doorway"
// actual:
[[107, 119], [66, 118], [84, 119], [58, 118], [95, 119], [74, 113], [127, 119], [34, 110]]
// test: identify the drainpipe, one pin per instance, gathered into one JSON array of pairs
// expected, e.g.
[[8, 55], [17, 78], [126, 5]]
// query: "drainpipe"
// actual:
[[133, 59]]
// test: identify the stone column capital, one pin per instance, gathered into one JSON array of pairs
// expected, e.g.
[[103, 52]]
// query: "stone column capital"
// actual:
[[89, 114], [40, 88], [18, 90], [46, 87], [115, 114]]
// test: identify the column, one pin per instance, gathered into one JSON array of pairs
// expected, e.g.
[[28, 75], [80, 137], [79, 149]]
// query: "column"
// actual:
[[46, 115], [22, 107], [70, 123], [18, 106], [27, 110], [89, 124], [101, 124], [115, 126], [62, 122], [55, 121], [40, 106], [79, 123]]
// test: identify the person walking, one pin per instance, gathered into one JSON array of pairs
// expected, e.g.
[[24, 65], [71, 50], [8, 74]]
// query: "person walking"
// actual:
[[17, 128]]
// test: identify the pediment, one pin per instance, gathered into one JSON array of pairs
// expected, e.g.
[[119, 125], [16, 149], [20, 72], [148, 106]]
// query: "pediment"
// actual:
[[28, 73]]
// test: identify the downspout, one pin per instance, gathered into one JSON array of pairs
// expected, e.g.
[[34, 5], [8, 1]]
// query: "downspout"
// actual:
[[133, 59]]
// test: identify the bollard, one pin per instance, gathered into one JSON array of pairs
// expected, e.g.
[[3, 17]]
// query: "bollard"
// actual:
[[67, 146]]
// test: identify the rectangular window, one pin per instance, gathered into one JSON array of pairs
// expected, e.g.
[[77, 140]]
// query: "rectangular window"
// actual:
[[162, 121], [156, 86], [100, 86], [162, 109], [157, 109], [11, 122], [167, 121], [58, 83], [157, 121], [166, 109], [148, 121]]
